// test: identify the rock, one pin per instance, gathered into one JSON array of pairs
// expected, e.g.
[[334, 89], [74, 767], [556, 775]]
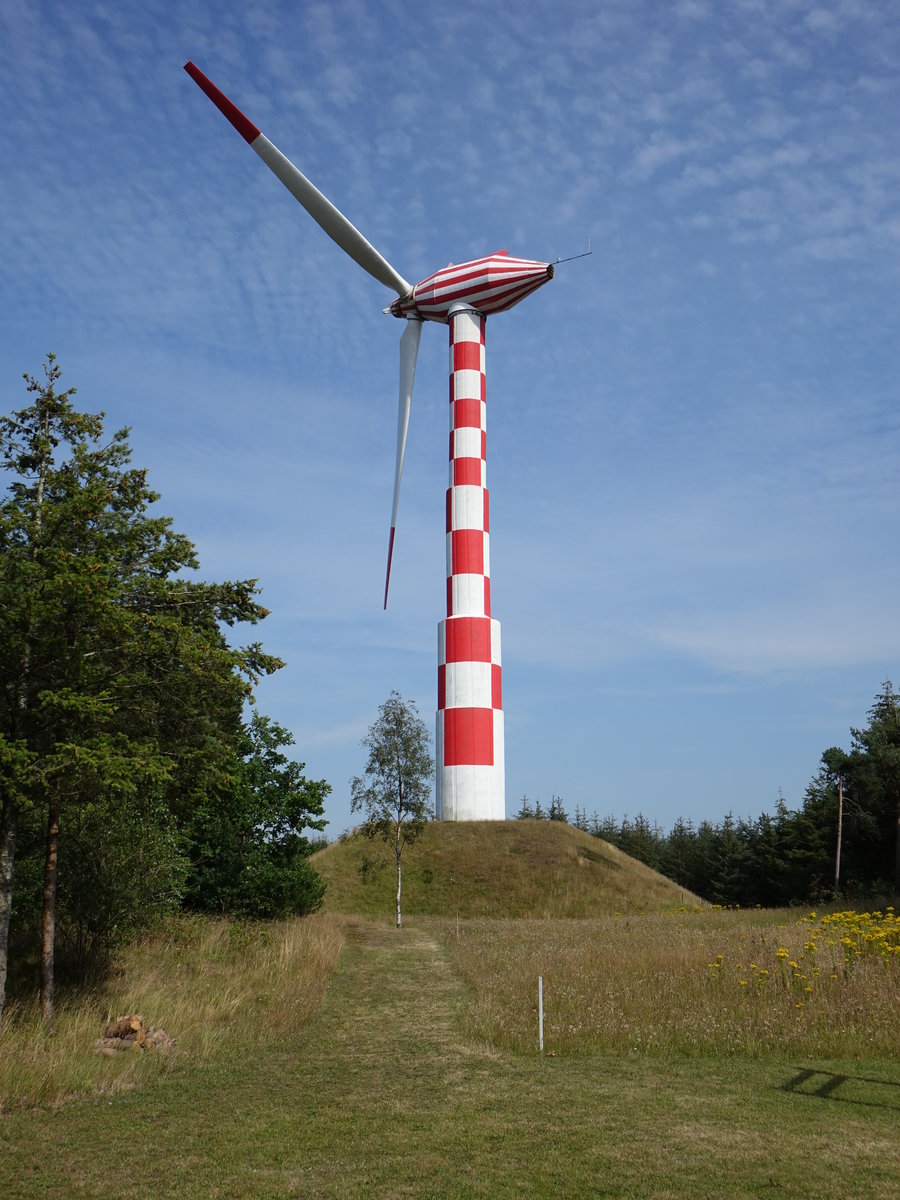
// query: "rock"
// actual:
[[112, 1045], [158, 1039]]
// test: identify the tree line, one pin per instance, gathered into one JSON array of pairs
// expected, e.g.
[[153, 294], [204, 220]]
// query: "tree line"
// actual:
[[843, 840], [131, 780]]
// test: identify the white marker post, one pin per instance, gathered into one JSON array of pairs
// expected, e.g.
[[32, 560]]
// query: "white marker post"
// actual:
[[541, 1011]]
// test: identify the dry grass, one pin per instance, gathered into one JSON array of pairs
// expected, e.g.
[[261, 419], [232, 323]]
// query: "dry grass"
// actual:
[[703, 982], [494, 869], [383, 1095], [212, 985]]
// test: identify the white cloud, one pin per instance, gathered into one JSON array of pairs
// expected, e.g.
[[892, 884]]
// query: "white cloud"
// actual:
[[820, 632], [657, 153]]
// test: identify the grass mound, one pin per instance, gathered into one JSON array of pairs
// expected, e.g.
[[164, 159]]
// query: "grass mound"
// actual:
[[494, 869]]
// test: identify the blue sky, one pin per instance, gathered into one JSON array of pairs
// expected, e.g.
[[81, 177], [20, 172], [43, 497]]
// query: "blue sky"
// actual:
[[693, 434]]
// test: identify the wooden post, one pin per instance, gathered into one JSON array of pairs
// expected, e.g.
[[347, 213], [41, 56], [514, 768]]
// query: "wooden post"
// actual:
[[837, 859]]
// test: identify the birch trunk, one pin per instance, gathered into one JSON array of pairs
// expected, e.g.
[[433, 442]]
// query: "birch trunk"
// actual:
[[399, 918]]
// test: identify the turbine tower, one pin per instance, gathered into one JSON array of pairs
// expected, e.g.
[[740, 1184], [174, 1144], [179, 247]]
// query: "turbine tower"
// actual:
[[469, 784]]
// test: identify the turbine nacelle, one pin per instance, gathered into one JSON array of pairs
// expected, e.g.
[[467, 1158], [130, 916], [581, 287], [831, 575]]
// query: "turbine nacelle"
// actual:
[[489, 285]]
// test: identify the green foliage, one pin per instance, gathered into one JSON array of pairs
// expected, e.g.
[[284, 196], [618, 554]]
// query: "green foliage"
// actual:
[[873, 769], [249, 848], [121, 868], [396, 790], [557, 811], [274, 886], [120, 698], [525, 810]]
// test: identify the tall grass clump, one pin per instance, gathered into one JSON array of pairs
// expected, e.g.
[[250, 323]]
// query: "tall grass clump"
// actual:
[[709, 983], [218, 987]]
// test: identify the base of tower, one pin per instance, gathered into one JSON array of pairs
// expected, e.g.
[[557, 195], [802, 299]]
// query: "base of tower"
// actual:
[[470, 791]]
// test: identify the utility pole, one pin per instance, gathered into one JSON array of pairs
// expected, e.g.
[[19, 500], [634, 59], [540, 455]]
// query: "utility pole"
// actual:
[[837, 860]]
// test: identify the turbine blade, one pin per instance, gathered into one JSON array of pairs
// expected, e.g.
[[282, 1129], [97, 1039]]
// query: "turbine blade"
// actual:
[[409, 350], [319, 207]]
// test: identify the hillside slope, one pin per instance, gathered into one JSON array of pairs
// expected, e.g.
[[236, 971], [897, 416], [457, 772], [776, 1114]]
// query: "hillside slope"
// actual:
[[493, 869]]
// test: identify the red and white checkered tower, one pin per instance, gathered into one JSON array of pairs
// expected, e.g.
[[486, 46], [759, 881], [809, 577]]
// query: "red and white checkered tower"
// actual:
[[469, 733], [470, 759]]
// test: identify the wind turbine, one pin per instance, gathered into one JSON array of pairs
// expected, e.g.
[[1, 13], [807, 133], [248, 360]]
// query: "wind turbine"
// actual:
[[469, 728]]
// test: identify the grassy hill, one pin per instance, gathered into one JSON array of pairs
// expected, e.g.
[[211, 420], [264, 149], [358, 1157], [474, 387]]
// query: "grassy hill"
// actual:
[[494, 869]]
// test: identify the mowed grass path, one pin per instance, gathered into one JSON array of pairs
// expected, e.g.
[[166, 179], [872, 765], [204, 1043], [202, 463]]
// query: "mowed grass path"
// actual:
[[381, 1096]]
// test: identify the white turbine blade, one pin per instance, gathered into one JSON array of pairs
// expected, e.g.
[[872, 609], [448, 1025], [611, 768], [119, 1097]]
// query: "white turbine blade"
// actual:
[[335, 224], [319, 207], [409, 350]]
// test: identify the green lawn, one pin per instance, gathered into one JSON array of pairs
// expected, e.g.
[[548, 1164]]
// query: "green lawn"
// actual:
[[381, 1095]]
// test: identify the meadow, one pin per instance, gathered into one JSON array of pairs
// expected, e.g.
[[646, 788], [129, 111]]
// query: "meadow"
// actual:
[[708, 982], [689, 1052], [213, 985]]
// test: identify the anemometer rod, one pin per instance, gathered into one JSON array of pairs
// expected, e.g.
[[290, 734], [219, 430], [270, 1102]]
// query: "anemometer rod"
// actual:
[[572, 257]]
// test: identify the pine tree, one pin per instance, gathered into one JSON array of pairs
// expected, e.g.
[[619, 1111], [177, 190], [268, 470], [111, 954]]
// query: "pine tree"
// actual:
[[117, 685], [557, 810]]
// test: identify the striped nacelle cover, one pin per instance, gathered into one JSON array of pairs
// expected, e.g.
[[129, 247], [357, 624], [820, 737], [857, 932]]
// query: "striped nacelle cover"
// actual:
[[490, 285]]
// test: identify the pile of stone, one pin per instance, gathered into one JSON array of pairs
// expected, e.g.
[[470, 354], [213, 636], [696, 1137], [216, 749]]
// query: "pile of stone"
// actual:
[[130, 1033]]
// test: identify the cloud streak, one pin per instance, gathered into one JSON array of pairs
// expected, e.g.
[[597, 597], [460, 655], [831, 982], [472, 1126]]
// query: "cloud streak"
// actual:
[[693, 434]]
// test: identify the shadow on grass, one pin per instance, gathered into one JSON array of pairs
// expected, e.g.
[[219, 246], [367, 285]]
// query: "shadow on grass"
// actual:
[[848, 1089]]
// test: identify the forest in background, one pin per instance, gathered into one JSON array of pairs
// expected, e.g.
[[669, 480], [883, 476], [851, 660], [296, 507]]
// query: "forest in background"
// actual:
[[789, 856]]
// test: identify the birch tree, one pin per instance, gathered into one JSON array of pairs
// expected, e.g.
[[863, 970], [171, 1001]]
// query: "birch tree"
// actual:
[[395, 791]]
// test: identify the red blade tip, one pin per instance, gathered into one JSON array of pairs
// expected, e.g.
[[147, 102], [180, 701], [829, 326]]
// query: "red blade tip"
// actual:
[[387, 580], [245, 128]]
